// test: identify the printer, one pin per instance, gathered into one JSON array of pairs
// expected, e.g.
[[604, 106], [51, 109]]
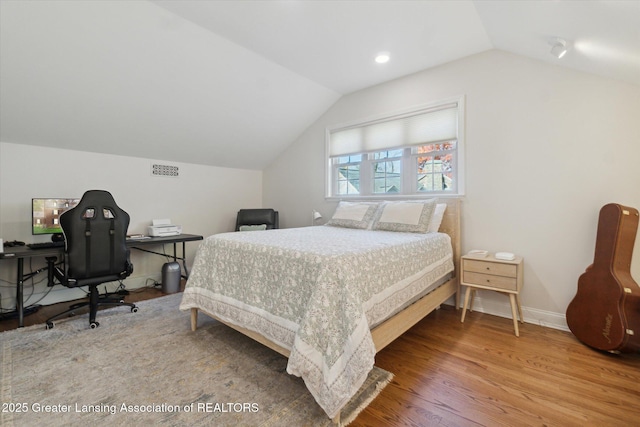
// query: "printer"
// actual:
[[164, 228]]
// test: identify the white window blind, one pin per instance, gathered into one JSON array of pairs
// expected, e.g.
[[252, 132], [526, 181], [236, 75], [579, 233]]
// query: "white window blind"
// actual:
[[418, 128]]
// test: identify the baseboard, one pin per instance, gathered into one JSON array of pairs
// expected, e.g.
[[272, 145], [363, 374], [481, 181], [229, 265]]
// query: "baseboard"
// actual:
[[534, 316]]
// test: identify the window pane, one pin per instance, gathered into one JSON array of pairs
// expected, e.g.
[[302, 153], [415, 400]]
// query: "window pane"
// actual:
[[446, 146], [387, 177], [355, 158], [387, 154]]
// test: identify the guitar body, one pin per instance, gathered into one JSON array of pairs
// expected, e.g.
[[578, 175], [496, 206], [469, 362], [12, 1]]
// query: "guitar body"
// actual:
[[605, 313]]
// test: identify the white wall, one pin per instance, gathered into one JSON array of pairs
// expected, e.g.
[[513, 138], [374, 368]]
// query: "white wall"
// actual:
[[546, 148], [204, 200]]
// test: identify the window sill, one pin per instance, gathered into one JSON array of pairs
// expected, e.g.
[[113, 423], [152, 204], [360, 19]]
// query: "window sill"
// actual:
[[394, 197]]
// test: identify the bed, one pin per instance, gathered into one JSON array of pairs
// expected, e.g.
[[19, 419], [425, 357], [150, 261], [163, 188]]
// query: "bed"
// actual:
[[328, 297]]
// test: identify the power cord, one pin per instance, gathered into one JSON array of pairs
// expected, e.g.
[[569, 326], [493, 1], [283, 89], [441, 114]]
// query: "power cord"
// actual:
[[121, 290], [32, 307], [154, 283]]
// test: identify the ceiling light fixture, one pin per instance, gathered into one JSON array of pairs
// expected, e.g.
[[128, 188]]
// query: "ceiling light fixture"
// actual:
[[382, 57], [559, 47]]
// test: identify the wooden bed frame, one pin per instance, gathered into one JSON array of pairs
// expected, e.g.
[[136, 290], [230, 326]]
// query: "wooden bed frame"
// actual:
[[392, 328]]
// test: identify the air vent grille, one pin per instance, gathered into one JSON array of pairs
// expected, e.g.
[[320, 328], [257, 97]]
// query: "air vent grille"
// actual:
[[165, 170]]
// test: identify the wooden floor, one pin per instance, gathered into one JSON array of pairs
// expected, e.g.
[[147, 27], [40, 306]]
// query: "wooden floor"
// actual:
[[478, 373]]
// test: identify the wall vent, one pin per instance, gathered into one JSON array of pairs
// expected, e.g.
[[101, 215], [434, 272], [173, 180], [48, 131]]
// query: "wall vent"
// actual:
[[165, 170]]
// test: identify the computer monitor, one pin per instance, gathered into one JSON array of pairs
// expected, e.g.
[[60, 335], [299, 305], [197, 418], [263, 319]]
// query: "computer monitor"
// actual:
[[46, 214]]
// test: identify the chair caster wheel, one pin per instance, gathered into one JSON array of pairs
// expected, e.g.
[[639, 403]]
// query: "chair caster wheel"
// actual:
[[49, 325], [134, 309], [94, 325]]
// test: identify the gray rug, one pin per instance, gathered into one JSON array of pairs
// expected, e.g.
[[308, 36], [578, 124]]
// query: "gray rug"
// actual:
[[148, 367]]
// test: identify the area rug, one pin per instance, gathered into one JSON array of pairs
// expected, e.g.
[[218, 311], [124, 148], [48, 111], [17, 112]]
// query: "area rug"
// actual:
[[149, 368]]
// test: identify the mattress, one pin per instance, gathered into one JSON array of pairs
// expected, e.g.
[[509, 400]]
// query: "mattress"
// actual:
[[317, 291]]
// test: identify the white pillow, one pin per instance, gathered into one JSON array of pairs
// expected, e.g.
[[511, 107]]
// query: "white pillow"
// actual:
[[407, 216], [354, 214], [436, 218], [252, 227]]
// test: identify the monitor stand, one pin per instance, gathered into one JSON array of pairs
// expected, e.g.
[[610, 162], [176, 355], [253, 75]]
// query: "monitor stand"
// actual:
[[57, 237]]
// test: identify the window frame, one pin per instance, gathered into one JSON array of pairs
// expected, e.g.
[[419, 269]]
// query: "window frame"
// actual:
[[409, 165]]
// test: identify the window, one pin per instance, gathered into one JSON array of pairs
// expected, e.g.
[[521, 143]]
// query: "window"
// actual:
[[410, 154]]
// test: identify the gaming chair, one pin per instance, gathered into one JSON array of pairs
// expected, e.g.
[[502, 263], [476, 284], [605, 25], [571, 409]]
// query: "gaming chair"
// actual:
[[95, 251]]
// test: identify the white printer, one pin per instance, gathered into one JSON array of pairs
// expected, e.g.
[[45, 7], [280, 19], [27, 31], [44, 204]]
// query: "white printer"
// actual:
[[164, 228]]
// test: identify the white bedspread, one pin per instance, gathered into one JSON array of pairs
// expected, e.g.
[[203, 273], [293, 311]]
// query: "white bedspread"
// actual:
[[315, 291]]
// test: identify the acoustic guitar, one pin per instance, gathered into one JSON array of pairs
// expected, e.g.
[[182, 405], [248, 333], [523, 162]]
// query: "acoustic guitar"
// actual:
[[605, 313]]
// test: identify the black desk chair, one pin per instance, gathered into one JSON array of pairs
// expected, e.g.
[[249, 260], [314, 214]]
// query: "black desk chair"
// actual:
[[257, 217], [95, 251]]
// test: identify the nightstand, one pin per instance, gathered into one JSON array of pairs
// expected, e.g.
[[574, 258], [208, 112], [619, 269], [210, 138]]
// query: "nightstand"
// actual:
[[493, 274]]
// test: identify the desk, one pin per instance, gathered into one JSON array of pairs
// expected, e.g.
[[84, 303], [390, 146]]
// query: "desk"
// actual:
[[21, 252], [182, 238]]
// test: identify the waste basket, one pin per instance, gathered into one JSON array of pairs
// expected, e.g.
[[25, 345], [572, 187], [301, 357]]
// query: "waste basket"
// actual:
[[171, 277]]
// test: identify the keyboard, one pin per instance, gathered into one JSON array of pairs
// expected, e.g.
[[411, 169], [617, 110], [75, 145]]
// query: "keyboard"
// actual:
[[46, 245]]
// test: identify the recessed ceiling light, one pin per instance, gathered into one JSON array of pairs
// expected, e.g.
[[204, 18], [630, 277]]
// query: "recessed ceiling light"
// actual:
[[382, 57], [559, 48]]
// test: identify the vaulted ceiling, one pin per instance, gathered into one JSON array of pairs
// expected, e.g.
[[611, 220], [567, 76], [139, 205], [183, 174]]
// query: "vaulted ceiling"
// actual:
[[233, 83]]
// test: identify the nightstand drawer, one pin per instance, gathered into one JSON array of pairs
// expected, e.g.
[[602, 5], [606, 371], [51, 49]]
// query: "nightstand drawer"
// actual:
[[485, 267], [490, 280]]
